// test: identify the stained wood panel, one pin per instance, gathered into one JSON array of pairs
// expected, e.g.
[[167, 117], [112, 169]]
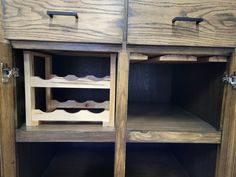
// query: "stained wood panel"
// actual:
[[150, 22], [227, 150], [98, 21], [65, 133], [169, 124], [7, 132], [121, 113]]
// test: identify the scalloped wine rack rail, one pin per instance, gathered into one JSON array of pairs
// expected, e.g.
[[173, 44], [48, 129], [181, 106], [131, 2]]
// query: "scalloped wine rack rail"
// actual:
[[90, 104], [71, 81], [61, 115]]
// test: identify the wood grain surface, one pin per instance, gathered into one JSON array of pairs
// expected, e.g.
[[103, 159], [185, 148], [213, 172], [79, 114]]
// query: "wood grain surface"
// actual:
[[65, 133], [169, 124], [7, 127], [227, 150], [121, 113], [150, 22], [98, 22]]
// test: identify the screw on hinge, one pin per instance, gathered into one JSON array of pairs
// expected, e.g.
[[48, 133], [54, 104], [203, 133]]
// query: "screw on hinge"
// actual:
[[230, 80], [8, 73]]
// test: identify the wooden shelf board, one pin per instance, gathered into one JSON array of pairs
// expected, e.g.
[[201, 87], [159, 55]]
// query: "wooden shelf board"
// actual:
[[168, 123], [65, 133]]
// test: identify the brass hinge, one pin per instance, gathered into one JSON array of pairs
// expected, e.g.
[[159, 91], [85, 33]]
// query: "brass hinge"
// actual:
[[7, 73], [230, 80]]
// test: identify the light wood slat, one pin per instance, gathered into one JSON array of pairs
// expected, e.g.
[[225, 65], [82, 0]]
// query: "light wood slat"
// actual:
[[213, 59], [172, 58], [112, 94], [150, 23], [138, 57], [72, 82], [98, 22], [29, 91], [61, 115], [74, 104], [174, 137]]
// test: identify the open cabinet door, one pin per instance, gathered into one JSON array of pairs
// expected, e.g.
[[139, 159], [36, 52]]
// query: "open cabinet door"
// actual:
[[7, 134], [227, 149]]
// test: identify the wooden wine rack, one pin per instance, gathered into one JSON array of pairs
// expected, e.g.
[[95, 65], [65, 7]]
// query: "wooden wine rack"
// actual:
[[53, 114]]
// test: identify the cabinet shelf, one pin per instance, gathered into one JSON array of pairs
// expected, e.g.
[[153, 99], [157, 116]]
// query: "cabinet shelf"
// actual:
[[65, 133], [168, 123]]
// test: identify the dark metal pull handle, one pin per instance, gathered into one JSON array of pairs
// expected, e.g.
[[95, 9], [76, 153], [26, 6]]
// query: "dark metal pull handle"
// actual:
[[188, 19], [52, 13]]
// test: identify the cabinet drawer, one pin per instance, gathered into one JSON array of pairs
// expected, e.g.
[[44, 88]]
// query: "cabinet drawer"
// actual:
[[150, 22], [97, 22]]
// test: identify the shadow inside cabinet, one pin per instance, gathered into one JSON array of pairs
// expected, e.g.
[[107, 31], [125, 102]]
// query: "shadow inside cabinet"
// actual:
[[65, 159], [167, 99], [171, 160]]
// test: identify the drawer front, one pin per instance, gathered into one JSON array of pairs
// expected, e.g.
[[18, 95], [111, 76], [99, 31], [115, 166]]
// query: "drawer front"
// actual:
[[150, 22], [99, 21]]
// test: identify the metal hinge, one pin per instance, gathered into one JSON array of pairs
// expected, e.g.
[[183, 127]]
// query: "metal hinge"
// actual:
[[7, 73], [230, 80]]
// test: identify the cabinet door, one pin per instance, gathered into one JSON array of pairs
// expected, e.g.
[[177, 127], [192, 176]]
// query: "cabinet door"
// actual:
[[64, 20], [7, 135], [227, 149], [150, 22]]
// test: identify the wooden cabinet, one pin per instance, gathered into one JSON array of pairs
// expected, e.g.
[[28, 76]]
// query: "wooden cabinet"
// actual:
[[59, 20], [172, 113], [150, 22]]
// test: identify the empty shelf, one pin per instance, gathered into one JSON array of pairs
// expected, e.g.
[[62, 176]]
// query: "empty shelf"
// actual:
[[146, 162], [65, 133], [82, 162], [168, 123]]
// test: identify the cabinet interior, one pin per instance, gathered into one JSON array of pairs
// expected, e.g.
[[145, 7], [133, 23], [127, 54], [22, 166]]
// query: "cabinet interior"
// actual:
[[164, 97], [97, 159], [175, 97], [171, 160], [65, 159]]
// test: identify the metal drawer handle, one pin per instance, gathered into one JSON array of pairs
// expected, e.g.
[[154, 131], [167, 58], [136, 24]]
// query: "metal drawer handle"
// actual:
[[188, 19], [52, 13]]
